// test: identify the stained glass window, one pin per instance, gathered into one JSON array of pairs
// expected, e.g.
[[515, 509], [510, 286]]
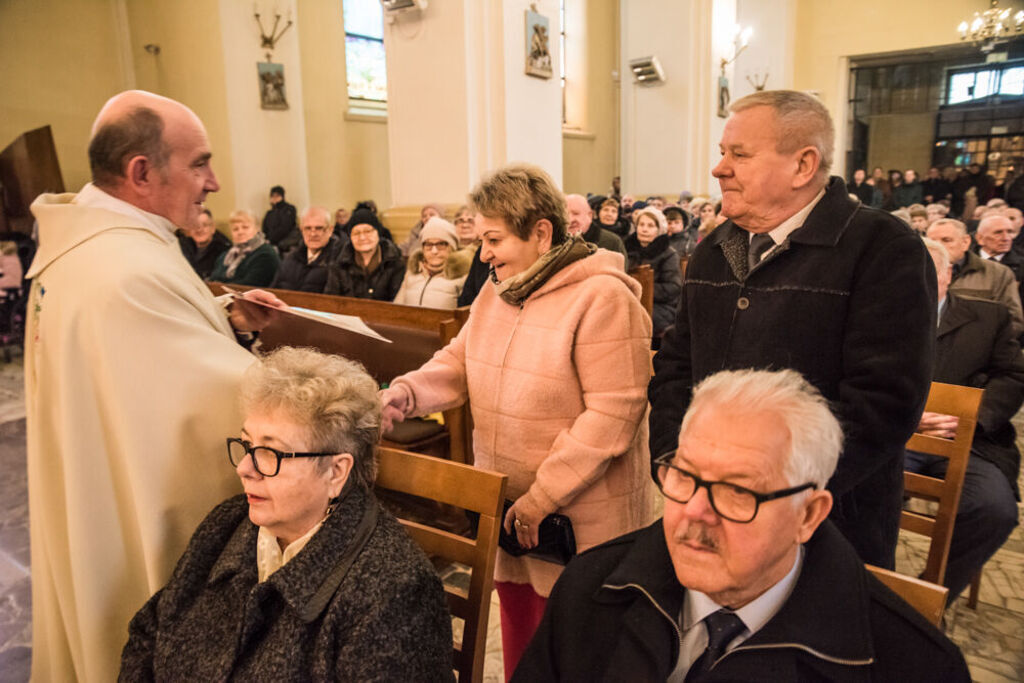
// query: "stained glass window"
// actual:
[[364, 50]]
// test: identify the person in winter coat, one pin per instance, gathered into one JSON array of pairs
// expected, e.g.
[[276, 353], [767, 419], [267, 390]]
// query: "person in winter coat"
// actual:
[[305, 576], [610, 218], [305, 269], [279, 223], [251, 260], [436, 271], [412, 242], [203, 244], [369, 267], [649, 245], [909, 192], [682, 230], [554, 360]]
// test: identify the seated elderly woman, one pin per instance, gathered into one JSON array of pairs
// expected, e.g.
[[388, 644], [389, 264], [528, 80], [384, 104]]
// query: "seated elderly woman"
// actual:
[[304, 576], [412, 242], [436, 272], [251, 260], [650, 245], [370, 266]]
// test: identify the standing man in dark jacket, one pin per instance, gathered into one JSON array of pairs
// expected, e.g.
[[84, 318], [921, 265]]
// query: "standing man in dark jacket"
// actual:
[[727, 588], [305, 268], [976, 347], [279, 223], [859, 187], [803, 277]]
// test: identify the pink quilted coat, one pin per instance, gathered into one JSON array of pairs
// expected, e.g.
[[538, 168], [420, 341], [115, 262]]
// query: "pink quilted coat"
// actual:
[[557, 389]]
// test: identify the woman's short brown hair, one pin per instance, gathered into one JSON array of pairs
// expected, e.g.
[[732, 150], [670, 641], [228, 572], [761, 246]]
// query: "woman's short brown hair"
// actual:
[[521, 195]]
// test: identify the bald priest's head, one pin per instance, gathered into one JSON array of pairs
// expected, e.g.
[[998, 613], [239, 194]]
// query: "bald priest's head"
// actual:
[[153, 153]]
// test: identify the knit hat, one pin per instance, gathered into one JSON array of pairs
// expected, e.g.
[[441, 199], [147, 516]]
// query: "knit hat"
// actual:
[[363, 217], [654, 213], [437, 228]]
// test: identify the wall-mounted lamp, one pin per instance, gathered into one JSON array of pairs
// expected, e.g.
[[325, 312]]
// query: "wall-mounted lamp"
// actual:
[[152, 48], [647, 70], [269, 40], [740, 40]]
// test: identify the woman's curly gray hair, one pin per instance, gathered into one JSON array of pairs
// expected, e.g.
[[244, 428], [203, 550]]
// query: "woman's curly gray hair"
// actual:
[[333, 397]]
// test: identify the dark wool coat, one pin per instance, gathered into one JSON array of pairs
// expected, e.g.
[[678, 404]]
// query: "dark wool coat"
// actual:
[[257, 269], [346, 276], [281, 226], [668, 277], [848, 300], [604, 239], [907, 194], [613, 616], [479, 272], [297, 274], [333, 613], [203, 262], [976, 348]]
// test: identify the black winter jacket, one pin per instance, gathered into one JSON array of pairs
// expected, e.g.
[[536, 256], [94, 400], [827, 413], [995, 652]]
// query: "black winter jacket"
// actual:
[[281, 226], [346, 277], [203, 261], [668, 277], [848, 300], [335, 612], [613, 616], [297, 274], [976, 348]]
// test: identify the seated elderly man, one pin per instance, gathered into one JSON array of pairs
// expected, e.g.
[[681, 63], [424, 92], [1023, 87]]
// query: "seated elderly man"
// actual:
[[581, 222], [995, 242], [975, 276], [976, 348], [305, 269], [304, 576], [743, 578]]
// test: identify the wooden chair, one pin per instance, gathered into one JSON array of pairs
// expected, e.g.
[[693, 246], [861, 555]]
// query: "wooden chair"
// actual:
[[927, 598], [645, 276], [963, 402], [468, 488]]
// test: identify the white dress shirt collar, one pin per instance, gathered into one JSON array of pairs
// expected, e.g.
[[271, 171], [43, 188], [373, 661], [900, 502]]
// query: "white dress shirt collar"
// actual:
[[787, 226]]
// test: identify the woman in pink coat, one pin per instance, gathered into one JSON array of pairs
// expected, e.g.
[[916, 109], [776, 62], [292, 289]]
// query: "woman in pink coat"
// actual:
[[554, 361]]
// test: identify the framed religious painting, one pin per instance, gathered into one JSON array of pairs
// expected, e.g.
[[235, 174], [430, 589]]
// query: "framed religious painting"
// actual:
[[538, 45], [271, 79]]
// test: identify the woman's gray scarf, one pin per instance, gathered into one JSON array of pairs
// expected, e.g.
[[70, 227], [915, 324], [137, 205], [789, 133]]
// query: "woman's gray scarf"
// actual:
[[237, 253]]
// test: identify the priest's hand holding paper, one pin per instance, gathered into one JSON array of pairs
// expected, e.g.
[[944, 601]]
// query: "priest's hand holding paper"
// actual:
[[253, 317]]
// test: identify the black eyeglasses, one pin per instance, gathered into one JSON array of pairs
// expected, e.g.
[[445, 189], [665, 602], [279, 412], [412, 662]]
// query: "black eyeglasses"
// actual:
[[265, 459], [729, 501]]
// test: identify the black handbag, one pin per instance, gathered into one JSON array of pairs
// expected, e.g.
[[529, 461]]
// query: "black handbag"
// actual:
[[556, 540]]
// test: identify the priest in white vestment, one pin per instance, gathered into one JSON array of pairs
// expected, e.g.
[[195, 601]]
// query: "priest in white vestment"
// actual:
[[131, 376]]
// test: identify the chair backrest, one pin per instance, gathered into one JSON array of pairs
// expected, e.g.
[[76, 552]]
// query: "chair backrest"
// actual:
[[963, 402], [645, 276], [416, 334], [927, 598], [468, 488]]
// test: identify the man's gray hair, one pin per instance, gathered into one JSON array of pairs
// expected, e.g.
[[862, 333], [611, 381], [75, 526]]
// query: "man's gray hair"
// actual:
[[989, 218], [332, 397], [960, 227], [803, 121], [328, 219], [140, 132], [938, 250], [815, 436]]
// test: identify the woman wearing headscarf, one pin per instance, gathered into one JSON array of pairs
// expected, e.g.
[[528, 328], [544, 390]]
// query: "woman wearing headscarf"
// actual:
[[554, 360], [304, 576], [649, 245], [369, 266], [251, 260], [435, 273]]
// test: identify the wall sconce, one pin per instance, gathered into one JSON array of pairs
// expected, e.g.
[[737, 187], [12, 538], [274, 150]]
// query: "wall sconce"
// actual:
[[740, 40], [647, 70], [268, 41]]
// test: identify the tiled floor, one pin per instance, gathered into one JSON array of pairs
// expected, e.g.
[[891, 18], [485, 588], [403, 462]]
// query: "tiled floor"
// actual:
[[992, 638]]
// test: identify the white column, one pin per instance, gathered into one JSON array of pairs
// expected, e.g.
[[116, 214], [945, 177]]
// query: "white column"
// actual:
[[459, 100]]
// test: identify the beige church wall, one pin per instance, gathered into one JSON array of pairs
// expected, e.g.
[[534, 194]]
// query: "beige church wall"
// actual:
[[62, 60], [348, 159], [190, 69], [901, 141], [590, 142], [830, 31], [268, 145]]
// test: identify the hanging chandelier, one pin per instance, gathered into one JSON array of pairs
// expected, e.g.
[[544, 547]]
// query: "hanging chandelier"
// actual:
[[991, 27]]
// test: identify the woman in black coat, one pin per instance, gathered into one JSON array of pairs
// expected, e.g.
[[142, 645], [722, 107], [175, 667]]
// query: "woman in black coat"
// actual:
[[650, 245], [369, 267], [305, 577]]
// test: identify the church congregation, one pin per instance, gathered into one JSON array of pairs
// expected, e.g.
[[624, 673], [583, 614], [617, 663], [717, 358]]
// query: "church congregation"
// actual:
[[709, 381]]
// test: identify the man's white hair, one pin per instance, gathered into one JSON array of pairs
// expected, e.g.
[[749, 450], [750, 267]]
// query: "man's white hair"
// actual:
[[815, 437], [991, 218], [938, 250], [328, 219], [958, 225]]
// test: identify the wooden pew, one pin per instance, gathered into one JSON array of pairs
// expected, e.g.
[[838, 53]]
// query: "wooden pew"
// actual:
[[416, 333], [645, 276]]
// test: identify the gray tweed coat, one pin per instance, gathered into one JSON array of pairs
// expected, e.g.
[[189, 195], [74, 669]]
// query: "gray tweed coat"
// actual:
[[335, 612]]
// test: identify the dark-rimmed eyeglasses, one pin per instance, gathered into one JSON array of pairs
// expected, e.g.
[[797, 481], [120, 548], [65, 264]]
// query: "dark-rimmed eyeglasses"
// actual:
[[265, 459], [729, 501]]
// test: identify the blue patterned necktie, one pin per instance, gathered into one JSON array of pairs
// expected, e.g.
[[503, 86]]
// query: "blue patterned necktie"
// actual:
[[723, 626]]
